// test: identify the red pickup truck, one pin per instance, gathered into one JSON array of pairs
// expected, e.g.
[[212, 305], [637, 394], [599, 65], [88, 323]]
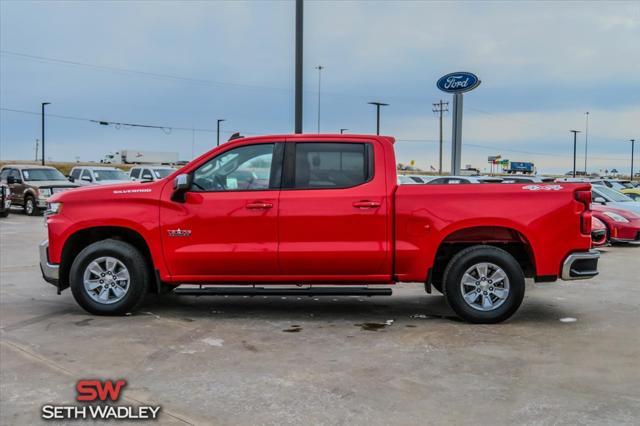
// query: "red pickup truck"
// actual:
[[323, 214]]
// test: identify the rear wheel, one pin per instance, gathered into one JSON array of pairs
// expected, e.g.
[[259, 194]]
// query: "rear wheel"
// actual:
[[109, 277], [484, 284]]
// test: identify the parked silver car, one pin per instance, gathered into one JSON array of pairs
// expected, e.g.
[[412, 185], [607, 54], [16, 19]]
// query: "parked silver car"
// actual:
[[610, 197], [150, 173], [453, 180], [97, 175]]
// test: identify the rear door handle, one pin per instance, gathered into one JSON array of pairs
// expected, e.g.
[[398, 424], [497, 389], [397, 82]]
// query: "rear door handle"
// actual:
[[366, 204], [257, 205]]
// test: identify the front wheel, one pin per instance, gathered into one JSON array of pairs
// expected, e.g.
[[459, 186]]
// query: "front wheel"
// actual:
[[30, 206], [109, 277], [484, 284]]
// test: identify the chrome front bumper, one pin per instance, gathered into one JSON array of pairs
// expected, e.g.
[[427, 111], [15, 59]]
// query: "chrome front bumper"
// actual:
[[50, 273], [580, 266]]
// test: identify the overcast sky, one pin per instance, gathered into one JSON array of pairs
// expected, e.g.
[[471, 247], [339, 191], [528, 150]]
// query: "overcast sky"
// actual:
[[185, 64]]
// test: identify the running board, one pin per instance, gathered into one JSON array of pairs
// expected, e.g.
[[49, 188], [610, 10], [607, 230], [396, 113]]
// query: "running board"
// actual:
[[262, 291]]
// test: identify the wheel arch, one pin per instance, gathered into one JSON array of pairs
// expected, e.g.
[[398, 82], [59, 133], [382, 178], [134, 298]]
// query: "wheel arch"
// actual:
[[82, 238], [510, 239]]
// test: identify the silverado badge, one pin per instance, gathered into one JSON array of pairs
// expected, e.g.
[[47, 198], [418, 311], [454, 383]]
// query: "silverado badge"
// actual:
[[179, 232]]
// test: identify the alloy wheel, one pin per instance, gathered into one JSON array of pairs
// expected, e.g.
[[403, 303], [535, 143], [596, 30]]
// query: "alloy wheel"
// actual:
[[485, 286], [106, 280]]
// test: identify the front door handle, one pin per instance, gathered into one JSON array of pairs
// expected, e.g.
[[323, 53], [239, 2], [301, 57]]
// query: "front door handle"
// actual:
[[365, 204], [259, 205]]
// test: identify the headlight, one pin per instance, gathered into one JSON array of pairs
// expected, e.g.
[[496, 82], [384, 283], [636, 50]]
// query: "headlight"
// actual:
[[53, 208], [45, 192], [616, 217]]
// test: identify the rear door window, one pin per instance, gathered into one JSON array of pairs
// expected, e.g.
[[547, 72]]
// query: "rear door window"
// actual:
[[328, 165]]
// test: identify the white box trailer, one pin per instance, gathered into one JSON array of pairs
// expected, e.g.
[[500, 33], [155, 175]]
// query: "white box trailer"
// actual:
[[132, 156]]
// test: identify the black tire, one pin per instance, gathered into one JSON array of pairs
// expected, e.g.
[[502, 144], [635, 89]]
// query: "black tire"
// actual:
[[466, 259], [30, 206], [136, 265], [4, 213]]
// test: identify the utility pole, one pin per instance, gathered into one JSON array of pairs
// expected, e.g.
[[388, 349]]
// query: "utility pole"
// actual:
[[378, 105], [575, 133], [43, 105], [586, 141], [440, 108], [343, 130], [633, 143], [218, 130], [319, 68], [37, 145], [298, 90], [193, 142]]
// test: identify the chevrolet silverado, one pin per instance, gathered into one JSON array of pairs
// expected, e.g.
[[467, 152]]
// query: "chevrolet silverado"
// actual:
[[323, 214]]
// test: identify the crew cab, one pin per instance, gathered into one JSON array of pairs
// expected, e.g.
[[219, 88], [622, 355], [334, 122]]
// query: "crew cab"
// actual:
[[323, 214]]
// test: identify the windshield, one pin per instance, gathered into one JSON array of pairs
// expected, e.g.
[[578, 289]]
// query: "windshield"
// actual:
[[612, 195], [42, 174], [102, 175], [162, 173]]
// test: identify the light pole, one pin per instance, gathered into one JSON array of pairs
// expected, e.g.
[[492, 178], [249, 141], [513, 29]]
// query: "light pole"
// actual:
[[378, 105], [633, 143], [319, 68], [37, 146], [218, 131], [575, 133], [342, 130], [586, 141], [298, 53], [43, 105]]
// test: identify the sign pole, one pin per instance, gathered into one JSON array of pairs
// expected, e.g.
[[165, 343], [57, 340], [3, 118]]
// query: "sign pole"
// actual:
[[456, 135], [457, 83]]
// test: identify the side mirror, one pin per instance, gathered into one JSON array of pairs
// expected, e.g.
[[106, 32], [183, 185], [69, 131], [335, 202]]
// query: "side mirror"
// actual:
[[600, 200], [71, 179], [11, 180], [181, 185]]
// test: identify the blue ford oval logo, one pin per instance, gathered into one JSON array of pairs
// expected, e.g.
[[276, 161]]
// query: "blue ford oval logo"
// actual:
[[458, 82]]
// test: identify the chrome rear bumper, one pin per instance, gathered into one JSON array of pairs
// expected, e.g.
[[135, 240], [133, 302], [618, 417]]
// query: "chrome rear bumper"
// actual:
[[580, 266]]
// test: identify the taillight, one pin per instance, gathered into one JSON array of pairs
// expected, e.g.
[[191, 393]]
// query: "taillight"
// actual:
[[584, 196]]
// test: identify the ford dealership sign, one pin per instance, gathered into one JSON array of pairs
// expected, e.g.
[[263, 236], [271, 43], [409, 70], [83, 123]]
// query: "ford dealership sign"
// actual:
[[458, 82]]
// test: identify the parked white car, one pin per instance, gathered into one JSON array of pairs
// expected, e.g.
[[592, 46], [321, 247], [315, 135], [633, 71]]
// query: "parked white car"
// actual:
[[98, 175], [150, 173]]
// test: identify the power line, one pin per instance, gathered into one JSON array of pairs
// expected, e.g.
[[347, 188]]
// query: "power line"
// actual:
[[190, 129], [176, 77], [166, 129], [136, 72]]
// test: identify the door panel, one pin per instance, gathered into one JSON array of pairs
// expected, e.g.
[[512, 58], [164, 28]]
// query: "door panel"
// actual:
[[217, 234], [227, 227], [340, 232]]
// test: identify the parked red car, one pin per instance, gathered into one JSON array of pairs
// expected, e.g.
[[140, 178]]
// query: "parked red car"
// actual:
[[316, 210], [598, 232], [623, 226]]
